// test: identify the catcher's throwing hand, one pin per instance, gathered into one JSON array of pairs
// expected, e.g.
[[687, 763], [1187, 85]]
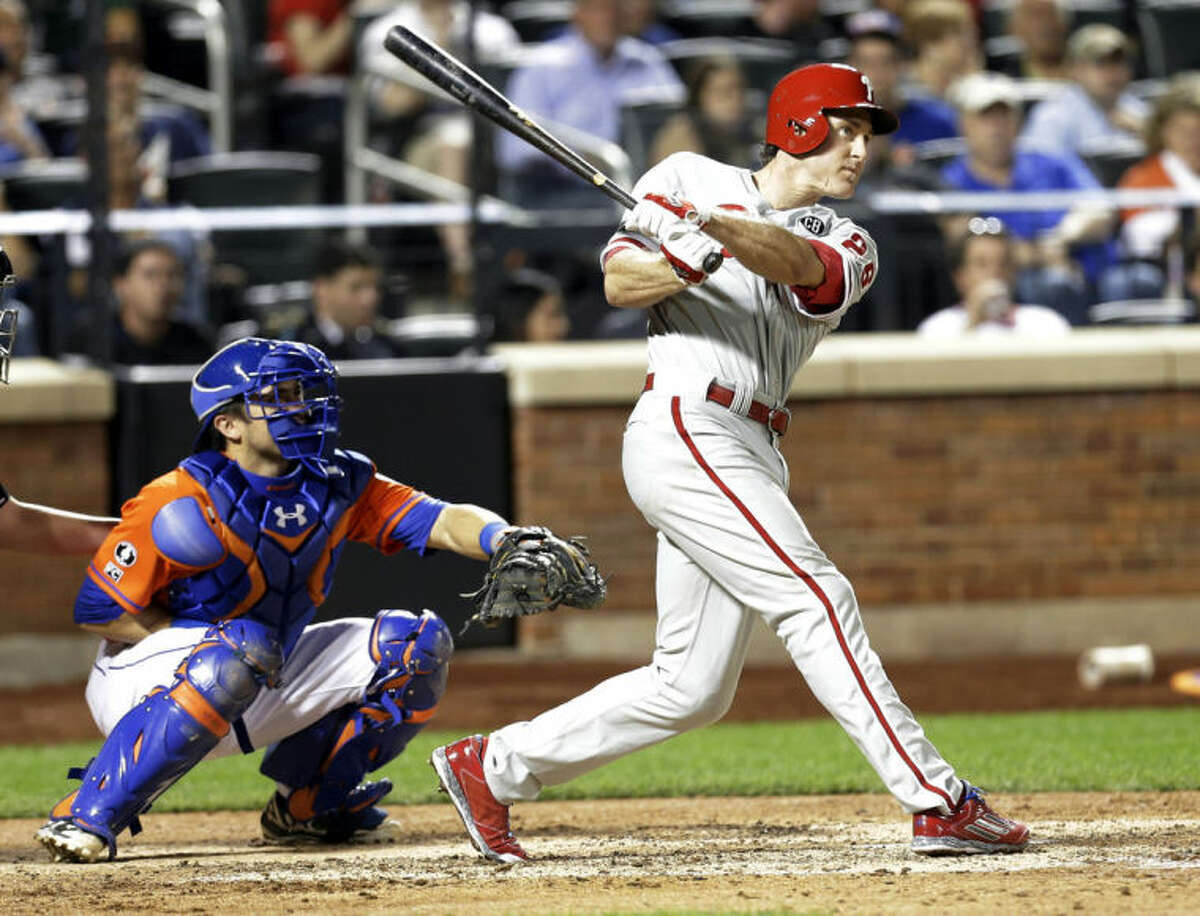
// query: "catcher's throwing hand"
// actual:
[[533, 570]]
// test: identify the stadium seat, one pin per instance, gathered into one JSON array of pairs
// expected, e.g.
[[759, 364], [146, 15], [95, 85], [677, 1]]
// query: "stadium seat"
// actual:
[[708, 18], [1109, 160], [1170, 32], [45, 184], [639, 126], [538, 20], [440, 334], [1142, 311], [254, 179], [937, 153], [763, 60]]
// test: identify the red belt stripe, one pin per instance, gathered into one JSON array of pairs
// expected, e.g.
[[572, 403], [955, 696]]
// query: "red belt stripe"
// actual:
[[816, 590]]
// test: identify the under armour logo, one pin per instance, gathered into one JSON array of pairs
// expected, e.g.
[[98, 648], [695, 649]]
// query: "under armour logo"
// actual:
[[282, 516]]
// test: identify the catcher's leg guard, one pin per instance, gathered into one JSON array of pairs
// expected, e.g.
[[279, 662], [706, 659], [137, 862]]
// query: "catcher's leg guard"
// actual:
[[324, 763], [169, 731]]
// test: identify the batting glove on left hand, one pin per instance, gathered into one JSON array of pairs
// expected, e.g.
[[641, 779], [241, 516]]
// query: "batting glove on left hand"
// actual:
[[657, 215], [686, 250]]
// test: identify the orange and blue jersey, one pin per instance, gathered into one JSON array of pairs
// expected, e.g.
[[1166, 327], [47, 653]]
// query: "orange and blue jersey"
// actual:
[[210, 541]]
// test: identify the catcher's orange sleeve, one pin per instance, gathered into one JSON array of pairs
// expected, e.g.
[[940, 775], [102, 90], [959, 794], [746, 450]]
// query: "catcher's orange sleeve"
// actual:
[[128, 568]]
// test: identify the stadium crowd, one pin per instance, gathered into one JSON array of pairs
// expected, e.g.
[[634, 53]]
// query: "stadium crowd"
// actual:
[[994, 96]]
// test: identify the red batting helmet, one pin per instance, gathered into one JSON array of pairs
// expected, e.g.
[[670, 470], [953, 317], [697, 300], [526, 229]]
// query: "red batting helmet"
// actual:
[[796, 121]]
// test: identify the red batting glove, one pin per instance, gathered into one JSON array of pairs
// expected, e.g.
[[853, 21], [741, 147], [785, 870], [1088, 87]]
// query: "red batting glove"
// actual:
[[684, 209]]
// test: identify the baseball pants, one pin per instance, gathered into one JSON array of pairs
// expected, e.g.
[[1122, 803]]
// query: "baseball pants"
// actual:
[[329, 666], [730, 546]]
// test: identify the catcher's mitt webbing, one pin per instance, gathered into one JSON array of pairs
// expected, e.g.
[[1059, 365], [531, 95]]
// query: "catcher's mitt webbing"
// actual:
[[533, 571]]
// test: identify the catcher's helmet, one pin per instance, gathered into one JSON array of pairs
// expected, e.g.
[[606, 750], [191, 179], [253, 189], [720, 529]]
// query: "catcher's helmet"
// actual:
[[8, 317], [796, 110], [303, 422]]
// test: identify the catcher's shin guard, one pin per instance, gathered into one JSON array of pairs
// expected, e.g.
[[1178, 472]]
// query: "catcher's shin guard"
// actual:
[[171, 730], [325, 762]]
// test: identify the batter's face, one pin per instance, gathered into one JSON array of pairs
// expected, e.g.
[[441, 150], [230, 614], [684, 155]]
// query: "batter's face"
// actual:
[[835, 167]]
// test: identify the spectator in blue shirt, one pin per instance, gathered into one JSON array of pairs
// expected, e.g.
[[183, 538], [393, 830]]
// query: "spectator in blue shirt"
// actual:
[[1062, 252], [581, 80], [1095, 109]]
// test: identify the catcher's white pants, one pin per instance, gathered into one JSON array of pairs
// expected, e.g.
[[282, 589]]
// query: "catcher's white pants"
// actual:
[[329, 666], [730, 546]]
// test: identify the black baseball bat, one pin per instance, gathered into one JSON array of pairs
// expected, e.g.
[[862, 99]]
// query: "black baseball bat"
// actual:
[[462, 83]]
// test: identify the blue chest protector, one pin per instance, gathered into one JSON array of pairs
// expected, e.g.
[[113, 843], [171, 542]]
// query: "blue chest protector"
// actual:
[[286, 537]]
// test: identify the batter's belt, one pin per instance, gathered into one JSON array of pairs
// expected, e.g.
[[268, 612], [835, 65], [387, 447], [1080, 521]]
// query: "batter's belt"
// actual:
[[775, 419]]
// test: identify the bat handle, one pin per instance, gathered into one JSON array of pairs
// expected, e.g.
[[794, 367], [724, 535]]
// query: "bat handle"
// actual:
[[713, 261]]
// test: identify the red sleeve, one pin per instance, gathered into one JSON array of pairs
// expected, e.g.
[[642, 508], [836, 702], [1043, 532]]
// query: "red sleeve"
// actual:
[[128, 567], [829, 295]]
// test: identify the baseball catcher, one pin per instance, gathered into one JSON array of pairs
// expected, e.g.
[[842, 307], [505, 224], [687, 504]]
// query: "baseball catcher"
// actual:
[[205, 593], [533, 570]]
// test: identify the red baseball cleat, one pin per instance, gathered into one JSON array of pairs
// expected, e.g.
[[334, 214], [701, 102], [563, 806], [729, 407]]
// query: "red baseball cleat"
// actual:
[[970, 829], [459, 767]]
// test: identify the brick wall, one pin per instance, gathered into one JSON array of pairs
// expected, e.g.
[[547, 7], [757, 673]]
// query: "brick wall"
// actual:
[[927, 500], [63, 465]]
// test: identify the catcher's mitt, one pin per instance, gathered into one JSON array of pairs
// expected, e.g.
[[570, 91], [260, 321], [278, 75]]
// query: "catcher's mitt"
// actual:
[[532, 571]]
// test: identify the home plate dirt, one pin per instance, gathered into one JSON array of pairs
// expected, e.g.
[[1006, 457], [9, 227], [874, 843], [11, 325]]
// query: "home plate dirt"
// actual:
[[1092, 852]]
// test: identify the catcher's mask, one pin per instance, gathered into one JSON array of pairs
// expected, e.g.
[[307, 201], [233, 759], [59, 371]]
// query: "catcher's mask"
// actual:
[[797, 110], [8, 316], [293, 386]]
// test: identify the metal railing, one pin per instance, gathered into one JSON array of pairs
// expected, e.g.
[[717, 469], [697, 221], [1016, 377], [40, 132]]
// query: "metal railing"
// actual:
[[217, 100]]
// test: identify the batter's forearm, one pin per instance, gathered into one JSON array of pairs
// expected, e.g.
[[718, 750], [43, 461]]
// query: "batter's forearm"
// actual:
[[39, 529], [458, 528], [768, 250], [639, 279]]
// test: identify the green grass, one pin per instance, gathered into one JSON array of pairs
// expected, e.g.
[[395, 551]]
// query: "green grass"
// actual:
[[1131, 749]]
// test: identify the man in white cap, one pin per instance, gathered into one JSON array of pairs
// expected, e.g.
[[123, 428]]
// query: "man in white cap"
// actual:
[[1095, 109], [1062, 252]]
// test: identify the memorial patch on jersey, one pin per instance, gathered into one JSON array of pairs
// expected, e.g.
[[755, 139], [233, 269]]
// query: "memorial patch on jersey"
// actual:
[[125, 554], [814, 224], [113, 571]]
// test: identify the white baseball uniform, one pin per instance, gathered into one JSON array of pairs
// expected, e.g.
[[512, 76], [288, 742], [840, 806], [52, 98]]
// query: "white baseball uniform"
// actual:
[[329, 666], [731, 546]]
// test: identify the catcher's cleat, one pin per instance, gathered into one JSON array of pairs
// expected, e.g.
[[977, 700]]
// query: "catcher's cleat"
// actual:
[[357, 821], [971, 828], [459, 767], [66, 841]]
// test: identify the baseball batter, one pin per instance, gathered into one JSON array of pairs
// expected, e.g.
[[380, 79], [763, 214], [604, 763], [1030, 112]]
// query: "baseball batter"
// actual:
[[205, 593], [701, 463]]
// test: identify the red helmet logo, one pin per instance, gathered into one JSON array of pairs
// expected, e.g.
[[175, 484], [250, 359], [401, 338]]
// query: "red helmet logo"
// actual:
[[796, 121]]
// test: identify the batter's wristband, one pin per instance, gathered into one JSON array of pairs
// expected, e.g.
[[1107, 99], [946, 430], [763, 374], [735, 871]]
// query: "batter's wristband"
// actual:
[[488, 534], [3, 495]]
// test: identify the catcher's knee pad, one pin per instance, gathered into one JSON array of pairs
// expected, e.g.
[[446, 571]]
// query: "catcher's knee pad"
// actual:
[[324, 762], [403, 644], [171, 730]]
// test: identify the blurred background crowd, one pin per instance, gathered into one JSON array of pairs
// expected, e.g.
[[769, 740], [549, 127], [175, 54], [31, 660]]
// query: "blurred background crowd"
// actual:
[[264, 103]]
